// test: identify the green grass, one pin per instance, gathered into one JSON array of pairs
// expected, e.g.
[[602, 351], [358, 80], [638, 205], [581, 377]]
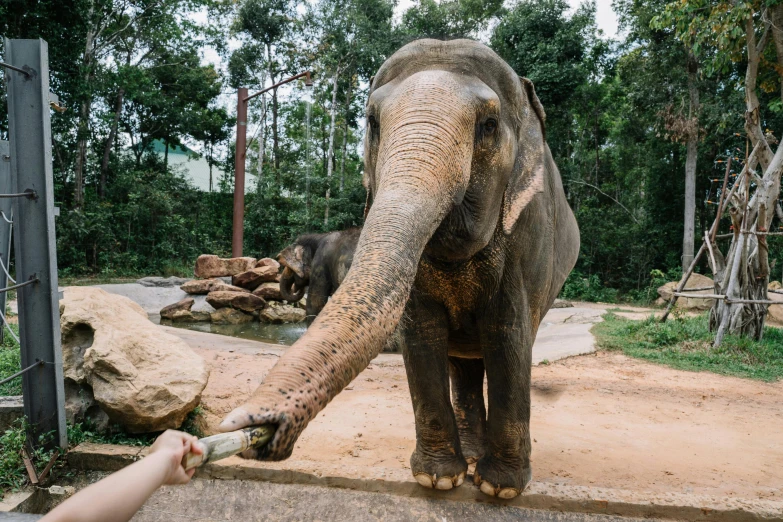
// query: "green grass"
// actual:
[[685, 343], [10, 363]]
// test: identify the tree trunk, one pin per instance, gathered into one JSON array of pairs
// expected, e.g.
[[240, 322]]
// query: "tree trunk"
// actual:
[[777, 37], [262, 133], [692, 149], [210, 168], [330, 151], [345, 134], [275, 138], [109, 142], [84, 114], [745, 273]]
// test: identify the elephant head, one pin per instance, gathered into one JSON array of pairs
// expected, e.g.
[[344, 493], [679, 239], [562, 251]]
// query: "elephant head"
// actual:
[[296, 272], [454, 152]]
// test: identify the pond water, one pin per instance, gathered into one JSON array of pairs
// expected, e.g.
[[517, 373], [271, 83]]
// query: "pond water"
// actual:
[[285, 334]]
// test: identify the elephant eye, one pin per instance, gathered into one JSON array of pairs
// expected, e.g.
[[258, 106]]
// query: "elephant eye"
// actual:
[[490, 126], [374, 127]]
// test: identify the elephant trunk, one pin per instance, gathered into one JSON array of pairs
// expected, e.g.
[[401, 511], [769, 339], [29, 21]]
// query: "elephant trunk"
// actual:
[[291, 291], [420, 177]]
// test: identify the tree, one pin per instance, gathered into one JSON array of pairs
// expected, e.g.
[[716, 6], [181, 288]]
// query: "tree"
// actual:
[[726, 32], [267, 26], [448, 18]]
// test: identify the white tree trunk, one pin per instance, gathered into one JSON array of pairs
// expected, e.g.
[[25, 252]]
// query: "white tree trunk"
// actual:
[[262, 133], [330, 151], [84, 114], [690, 164], [745, 274]]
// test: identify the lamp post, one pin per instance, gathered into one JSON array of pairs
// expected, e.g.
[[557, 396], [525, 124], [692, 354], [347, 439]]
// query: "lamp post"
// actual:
[[238, 230]]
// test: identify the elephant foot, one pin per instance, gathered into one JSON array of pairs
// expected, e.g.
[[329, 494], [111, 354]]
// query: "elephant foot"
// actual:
[[438, 473], [500, 480]]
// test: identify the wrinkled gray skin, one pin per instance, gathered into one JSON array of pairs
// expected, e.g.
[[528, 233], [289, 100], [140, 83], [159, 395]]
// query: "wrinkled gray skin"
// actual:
[[317, 261], [469, 236]]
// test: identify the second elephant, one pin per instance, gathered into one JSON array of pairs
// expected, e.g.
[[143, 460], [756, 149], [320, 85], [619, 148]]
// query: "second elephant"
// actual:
[[317, 261]]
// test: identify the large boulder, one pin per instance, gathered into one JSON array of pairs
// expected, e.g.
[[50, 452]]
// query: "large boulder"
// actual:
[[690, 303], [245, 302], [268, 261], [775, 312], [214, 266], [168, 312], [117, 360], [205, 286], [230, 316], [251, 279], [269, 292], [281, 313]]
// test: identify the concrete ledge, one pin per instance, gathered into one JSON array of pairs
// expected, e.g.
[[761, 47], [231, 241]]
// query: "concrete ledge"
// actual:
[[11, 409], [540, 495]]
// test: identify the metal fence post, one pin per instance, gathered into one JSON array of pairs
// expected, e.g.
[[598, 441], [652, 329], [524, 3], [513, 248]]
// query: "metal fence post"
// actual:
[[6, 186], [29, 131]]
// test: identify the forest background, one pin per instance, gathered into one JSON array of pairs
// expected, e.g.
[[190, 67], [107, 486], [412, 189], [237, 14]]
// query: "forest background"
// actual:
[[628, 120]]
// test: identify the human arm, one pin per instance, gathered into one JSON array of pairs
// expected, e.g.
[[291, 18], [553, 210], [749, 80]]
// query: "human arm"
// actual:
[[117, 497]]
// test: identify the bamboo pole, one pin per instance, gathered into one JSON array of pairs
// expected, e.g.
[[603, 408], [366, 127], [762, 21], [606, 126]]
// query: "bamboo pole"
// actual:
[[713, 231], [728, 300], [224, 445]]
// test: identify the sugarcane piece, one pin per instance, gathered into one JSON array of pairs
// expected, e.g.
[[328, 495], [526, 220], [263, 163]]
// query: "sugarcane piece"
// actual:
[[224, 445]]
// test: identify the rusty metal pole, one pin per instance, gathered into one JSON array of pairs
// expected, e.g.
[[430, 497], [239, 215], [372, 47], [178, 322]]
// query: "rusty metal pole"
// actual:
[[237, 235]]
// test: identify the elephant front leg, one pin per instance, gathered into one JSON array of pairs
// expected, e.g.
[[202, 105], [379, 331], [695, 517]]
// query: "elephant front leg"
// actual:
[[505, 470], [467, 395], [317, 293], [437, 461]]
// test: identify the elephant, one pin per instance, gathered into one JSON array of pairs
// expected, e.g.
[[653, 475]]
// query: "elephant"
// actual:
[[317, 261], [467, 240]]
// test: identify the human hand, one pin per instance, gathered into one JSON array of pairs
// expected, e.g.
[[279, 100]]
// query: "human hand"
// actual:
[[172, 446]]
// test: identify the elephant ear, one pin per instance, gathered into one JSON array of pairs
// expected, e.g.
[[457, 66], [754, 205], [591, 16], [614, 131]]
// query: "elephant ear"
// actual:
[[527, 177], [293, 257]]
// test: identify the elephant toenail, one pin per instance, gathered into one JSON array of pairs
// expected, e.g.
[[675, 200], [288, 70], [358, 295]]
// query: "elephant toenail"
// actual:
[[507, 493], [424, 479], [444, 483], [487, 488], [460, 479]]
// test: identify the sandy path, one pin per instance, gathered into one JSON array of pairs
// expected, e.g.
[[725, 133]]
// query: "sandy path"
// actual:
[[602, 420]]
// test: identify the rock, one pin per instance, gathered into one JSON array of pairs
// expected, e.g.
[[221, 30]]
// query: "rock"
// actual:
[[775, 312], [282, 313], [253, 278], [689, 303], [214, 266], [245, 302], [774, 285], [205, 286], [116, 359], [199, 316], [268, 261], [269, 291], [182, 316], [559, 303], [162, 282], [230, 316], [167, 312]]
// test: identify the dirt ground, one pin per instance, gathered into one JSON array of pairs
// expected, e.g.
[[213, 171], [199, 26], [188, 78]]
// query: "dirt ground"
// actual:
[[600, 420]]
